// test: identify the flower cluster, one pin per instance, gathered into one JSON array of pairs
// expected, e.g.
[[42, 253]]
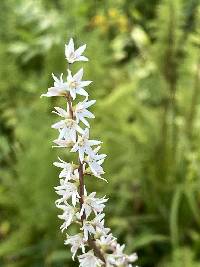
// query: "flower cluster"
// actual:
[[93, 241]]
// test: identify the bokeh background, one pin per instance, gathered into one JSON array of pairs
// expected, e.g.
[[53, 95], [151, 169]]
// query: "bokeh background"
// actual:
[[145, 64]]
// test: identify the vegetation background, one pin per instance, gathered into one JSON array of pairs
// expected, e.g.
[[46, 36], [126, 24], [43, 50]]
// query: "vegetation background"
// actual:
[[145, 64]]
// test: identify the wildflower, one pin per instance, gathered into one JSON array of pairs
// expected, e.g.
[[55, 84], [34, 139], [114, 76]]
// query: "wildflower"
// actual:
[[67, 171], [101, 231], [68, 129], [121, 259], [95, 161], [74, 55], [90, 227], [83, 145], [91, 203], [60, 87], [67, 190], [81, 111], [89, 260], [75, 84], [107, 241], [98, 221], [67, 216], [76, 242], [87, 229]]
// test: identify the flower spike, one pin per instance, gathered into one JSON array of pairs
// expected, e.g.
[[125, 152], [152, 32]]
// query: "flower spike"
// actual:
[[94, 244]]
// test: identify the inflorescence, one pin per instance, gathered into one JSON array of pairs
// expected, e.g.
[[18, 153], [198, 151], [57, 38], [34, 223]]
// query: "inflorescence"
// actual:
[[93, 242]]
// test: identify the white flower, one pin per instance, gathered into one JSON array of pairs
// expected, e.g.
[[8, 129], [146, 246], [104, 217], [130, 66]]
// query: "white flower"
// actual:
[[76, 242], [94, 226], [119, 258], [83, 145], [92, 203], [67, 190], [101, 231], [87, 229], [98, 221], [107, 241], [60, 87], [68, 129], [67, 171], [89, 260], [110, 260], [94, 161], [81, 111], [66, 123], [75, 84], [74, 55], [63, 143], [67, 216], [119, 250]]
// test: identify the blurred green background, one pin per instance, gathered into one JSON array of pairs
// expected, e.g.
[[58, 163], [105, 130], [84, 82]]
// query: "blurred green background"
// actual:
[[145, 64]]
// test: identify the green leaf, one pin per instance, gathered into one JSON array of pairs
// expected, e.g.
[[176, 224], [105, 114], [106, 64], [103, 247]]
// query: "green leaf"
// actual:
[[174, 215], [145, 239]]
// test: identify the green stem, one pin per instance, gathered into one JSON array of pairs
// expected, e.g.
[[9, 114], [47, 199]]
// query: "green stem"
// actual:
[[193, 106]]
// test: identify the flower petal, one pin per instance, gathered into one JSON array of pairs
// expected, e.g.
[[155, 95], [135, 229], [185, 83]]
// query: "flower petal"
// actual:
[[80, 50], [78, 76]]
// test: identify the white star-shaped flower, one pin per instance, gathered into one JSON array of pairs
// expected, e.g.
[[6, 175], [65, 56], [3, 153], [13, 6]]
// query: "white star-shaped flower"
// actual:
[[92, 203], [107, 241], [75, 84], [87, 229], [83, 145], [81, 111], [76, 242], [119, 258], [73, 55], [102, 231], [67, 171], [98, 221], [93, 226], [67, 190], [89, 260], [67, 216], [95, 161], [68, 129], [60, 87]]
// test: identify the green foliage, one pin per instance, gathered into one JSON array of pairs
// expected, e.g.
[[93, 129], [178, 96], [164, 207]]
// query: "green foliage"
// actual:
[[145, 60]]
